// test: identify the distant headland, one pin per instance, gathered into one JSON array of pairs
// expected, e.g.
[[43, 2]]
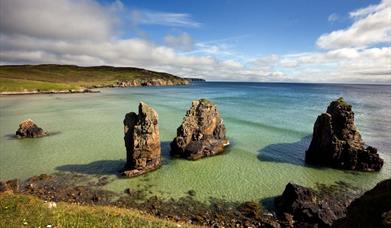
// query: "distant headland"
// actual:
[[54, 78]]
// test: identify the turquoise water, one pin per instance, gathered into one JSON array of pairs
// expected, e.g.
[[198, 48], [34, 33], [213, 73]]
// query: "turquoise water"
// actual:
[[269, 126]]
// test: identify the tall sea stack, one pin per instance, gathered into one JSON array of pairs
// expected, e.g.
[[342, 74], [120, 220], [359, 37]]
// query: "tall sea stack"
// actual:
[[336, 141], [202, 132], [142, 141]]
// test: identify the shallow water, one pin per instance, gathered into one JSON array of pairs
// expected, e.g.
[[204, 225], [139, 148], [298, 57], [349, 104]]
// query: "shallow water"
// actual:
[[268, 124]]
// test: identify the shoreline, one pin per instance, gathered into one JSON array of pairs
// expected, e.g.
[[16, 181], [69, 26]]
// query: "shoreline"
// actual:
[[48, 92], [82, 189], [87, 90]]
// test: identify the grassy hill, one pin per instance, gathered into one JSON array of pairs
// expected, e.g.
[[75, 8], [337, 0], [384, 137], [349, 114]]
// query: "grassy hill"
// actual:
[[48, 77], [29, 211]]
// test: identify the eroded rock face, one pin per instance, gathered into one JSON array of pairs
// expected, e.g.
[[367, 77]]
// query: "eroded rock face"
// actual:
[[202, 132], [142, 141], [28, 129], [304, 208], [336, 141]]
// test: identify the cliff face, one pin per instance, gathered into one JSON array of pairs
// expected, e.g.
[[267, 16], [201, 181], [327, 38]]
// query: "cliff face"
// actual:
[[336, 141]]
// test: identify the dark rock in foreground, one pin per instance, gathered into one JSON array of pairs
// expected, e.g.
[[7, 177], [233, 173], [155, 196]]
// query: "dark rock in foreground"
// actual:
[[373, 209], [9, 185], [336, 141], [202, 132], [142, 141], [299, 206], [28, 129]]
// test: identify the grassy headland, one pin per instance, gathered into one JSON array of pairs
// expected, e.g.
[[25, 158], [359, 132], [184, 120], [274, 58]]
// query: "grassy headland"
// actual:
[[18, 210], [51, 77]]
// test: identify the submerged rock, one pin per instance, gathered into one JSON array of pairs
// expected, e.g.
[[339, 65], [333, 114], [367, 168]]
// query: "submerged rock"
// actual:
[[373, 209], [336, 141], [142, 141], [202, 132], [28, 129]]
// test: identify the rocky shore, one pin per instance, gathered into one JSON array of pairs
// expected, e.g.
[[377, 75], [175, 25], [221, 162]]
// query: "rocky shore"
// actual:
[[151, 82], [298, 206], [36, 92], [118, 84]]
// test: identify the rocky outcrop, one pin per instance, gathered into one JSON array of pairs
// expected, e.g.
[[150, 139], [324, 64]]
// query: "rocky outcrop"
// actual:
[[28, 129], [302, 207], [373, 209], [202, 132], [151, 82], [336, 141], [9, 185], [142, 141]]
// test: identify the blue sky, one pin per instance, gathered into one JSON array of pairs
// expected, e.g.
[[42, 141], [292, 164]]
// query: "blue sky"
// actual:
[[295, 40], [256, 27]]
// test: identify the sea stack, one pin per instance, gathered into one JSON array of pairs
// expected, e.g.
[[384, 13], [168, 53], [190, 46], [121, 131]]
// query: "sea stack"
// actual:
[[201, 134], [28, 129], [336, 141], [142, 141]]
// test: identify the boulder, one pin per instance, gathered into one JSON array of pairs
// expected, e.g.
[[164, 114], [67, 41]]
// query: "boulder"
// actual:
[[336, 141], [373, 209], [28, 129], [202, 132], [9, 185], [304, 208], [142, 141]]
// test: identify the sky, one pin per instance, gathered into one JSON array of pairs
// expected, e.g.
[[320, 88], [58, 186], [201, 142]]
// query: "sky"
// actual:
[[224, 40]]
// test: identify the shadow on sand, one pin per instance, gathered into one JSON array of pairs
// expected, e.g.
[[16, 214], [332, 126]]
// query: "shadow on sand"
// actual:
[[292, 153], [102, 167]]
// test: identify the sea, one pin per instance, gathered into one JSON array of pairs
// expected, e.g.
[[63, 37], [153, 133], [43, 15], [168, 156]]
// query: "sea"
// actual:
[[269, 126]]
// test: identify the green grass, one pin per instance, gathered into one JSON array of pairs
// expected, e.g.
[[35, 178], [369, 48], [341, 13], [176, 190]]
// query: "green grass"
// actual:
[[62, 77], [27, 211], [341, 102], [12, 85]]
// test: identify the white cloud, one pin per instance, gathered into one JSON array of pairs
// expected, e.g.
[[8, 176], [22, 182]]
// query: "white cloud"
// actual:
[[60, 19], [163, 18], [182, 42], [371, 26], [85, 33]]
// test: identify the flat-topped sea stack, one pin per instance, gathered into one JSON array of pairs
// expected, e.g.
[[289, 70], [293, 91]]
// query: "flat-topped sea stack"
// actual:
[[336, 141], [142, 141], [28, 129], [202, 132]]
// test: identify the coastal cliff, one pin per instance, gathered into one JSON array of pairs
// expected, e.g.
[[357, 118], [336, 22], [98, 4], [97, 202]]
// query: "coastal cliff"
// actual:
[[53, 78]]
